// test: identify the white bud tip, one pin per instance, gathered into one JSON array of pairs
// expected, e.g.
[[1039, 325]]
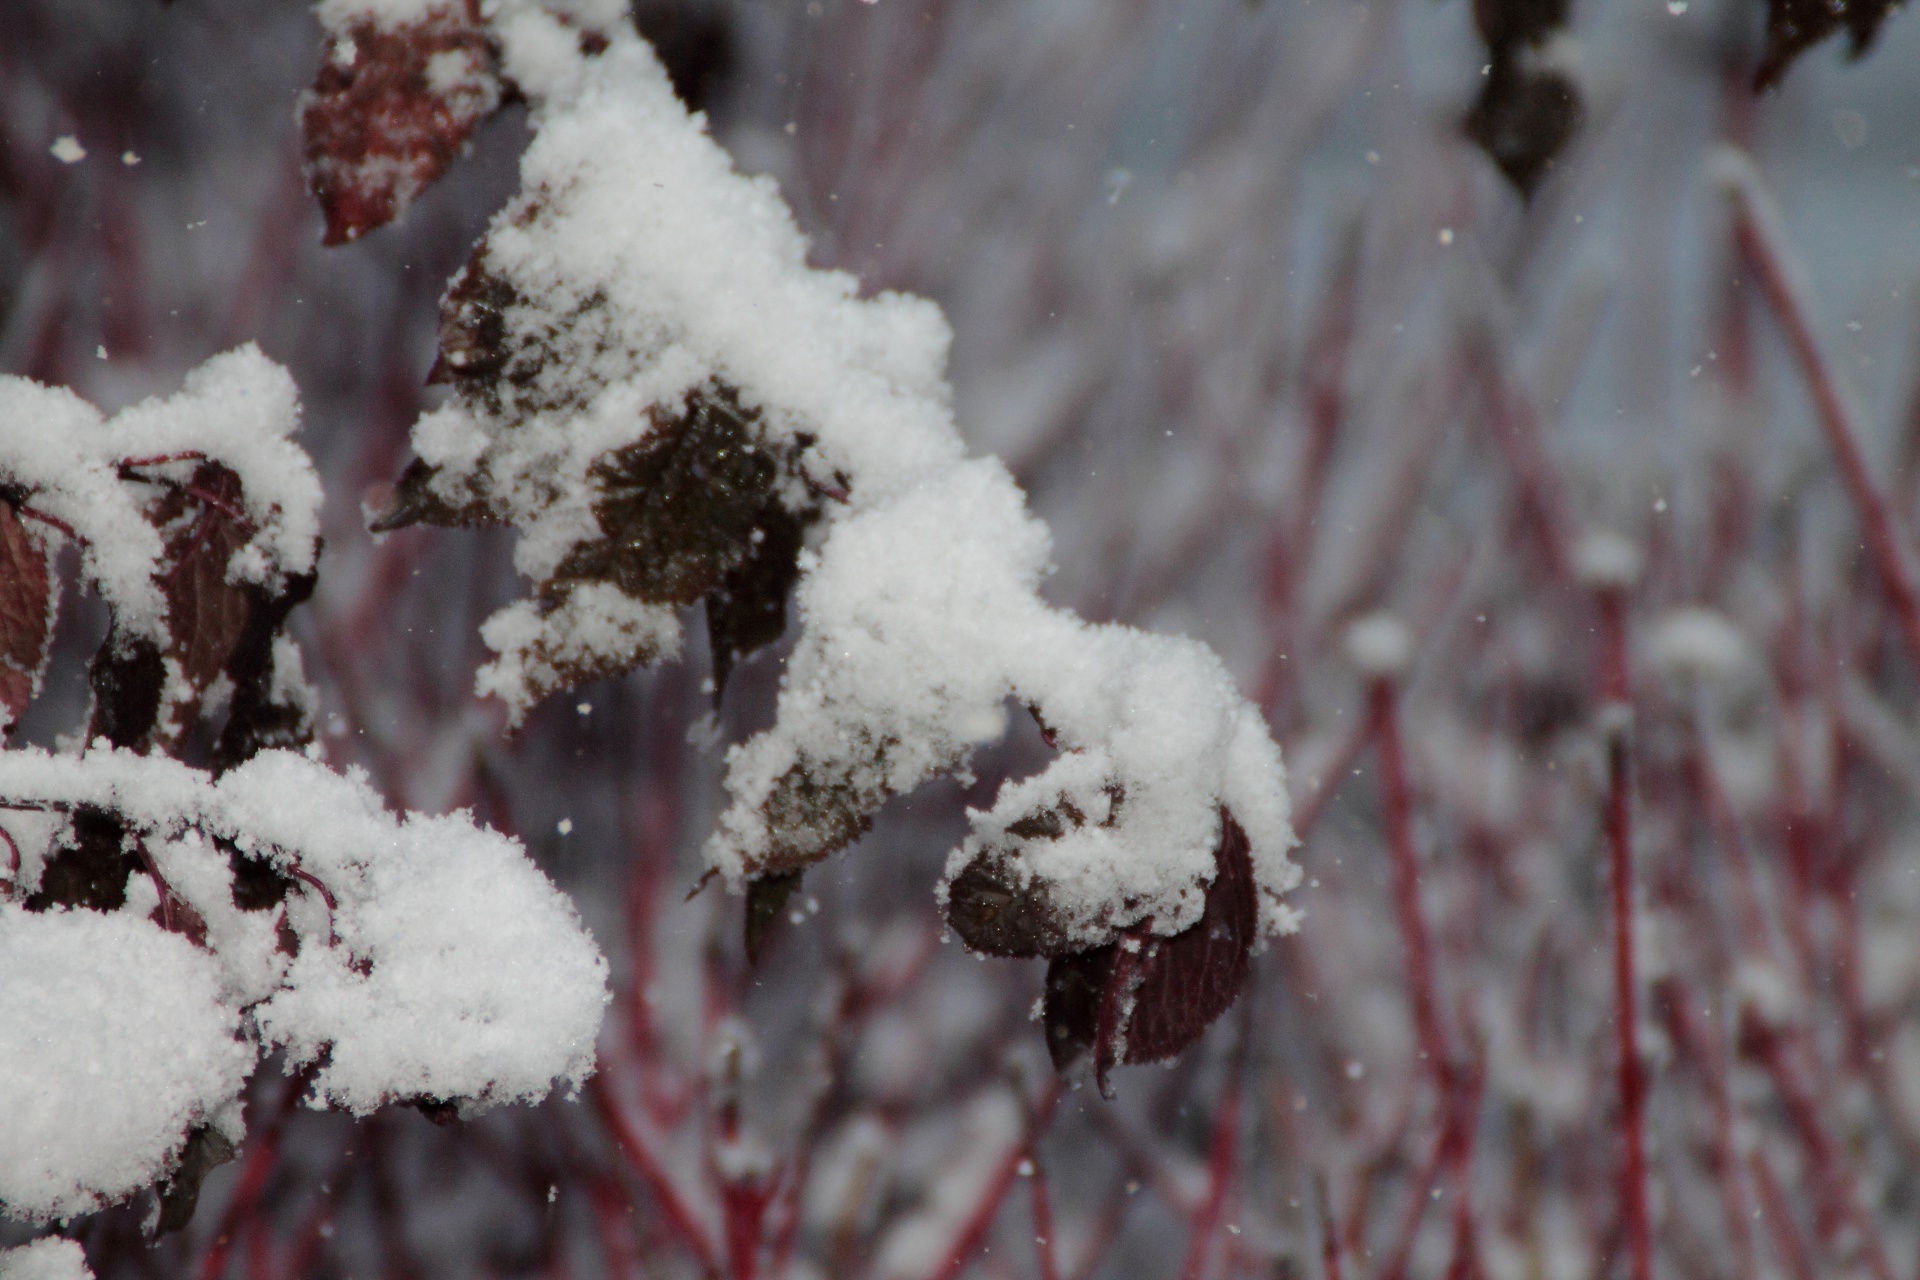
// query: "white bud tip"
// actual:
[[1605, 559], [1379, 644]]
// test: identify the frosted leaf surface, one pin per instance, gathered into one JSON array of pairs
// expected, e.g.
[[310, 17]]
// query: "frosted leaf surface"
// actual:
[[114, 1042], [636, 283]]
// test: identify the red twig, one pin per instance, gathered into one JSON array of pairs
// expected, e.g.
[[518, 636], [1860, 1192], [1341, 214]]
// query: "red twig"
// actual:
[[973, 1232], [643, 1161], [1224, 1148], [1397, 807], [1762, 242], [51, 521], [1042, 1207], [1615, 692]]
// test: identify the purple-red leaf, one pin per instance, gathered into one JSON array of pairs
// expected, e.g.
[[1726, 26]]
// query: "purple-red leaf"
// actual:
[[26, 615], [389, 110], [1145, 997]]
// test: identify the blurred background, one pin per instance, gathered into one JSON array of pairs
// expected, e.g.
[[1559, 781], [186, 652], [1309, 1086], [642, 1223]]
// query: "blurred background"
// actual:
[[1276, 349]]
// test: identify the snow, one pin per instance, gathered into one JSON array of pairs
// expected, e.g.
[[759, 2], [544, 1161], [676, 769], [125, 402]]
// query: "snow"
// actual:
[[1379, 645], [641, 267], [437, 963], [239, 409], [1605, 559], [114, 1042], [49, 1259], [1700, 644]]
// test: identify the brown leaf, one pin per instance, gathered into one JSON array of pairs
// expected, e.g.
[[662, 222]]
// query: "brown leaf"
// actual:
[[390, 109], [1145, 997], [680, 508], [90, 868], [765, 898], [1794, 26], [206, 1150], [748, 609], [206, 614], [256, 719], [26, 615], [1523, 120]]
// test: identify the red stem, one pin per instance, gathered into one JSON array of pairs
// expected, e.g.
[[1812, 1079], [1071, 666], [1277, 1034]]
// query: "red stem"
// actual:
[[1615, 690], [1226, 1133], [1761, 244], [1397, 804], [1043, 1241], [641, 1158]]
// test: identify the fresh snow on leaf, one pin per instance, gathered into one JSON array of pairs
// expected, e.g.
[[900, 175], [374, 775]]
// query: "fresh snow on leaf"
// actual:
[[637, 274], [114, 1042], [446, 967], [49, 1259], [239, 409]]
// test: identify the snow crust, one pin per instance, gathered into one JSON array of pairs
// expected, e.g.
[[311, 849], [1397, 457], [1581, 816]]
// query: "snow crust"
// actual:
[[644, 268]]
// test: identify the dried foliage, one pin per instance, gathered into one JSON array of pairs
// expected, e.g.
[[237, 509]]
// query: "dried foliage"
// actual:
[[390, 109], [1794, 26]]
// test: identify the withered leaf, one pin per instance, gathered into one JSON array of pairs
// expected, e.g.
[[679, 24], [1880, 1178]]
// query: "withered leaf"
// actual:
[[128, 677], [390, 109], [816, 809], [206, 1150], [415, 502], [694, 43], [473, 329], [1505, 25], [206, 614], [1794, 26], [256, 719], [681, 507], [994, 913], [766, 896], [1146, 998], [90, 868], [514, 360], [748, 610], [998, 911], [26, 614], [1523, 119]]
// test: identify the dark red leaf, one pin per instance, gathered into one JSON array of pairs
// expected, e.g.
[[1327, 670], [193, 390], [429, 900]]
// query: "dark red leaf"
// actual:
[[389, 110], [1145, 997], [26, 615], [90, 868], [179, 1192], [206, 614], [1523, 120], [748, 610], [256, 719], [128, 677], [1794, 26], [766, 896]]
